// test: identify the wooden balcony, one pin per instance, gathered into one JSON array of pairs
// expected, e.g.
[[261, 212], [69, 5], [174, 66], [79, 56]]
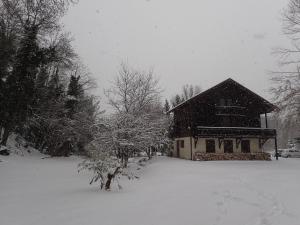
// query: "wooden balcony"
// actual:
[[230, 111], [234, 132]]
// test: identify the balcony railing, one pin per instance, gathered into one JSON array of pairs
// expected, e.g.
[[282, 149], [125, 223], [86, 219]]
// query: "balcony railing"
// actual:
[[234, 132], [230, 110]]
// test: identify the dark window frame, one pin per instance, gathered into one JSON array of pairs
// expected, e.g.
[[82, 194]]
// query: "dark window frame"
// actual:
[[245, 149], [210, 146], [226, 144], [222, 102], [229, 102], [181, 143]]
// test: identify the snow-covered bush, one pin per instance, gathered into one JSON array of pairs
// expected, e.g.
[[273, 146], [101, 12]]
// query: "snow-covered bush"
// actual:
[[137, 126], [4, 150], [120, 137], [105, 167]]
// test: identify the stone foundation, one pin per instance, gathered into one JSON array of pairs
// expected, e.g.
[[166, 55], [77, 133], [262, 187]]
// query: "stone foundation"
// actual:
[[199, 156]]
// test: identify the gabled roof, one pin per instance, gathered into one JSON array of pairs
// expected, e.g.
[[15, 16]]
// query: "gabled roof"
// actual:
[[266, 103]]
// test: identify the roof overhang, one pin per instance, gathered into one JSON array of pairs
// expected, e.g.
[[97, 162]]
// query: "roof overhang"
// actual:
[[269, 107]]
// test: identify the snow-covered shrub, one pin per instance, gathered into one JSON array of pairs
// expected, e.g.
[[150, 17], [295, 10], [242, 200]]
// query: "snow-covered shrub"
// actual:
[[106, 168], [4, 150], [118, 138]]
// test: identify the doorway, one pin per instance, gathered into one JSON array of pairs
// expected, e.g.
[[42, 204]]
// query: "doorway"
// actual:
[[245, 146], [228, 146], [178, 148]]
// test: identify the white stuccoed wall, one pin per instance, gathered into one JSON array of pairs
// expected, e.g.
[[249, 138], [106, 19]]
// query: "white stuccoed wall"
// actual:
[[185, 152]]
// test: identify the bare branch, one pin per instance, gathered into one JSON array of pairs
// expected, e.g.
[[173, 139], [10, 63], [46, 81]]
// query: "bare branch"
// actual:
[[133, 91]]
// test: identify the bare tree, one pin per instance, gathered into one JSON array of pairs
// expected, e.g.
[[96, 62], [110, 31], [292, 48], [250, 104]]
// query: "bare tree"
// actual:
[[286, 88], [291, 18], [133, 91], [188, 91], [87, 82], [287, 94], [42, 14], [135, 95]]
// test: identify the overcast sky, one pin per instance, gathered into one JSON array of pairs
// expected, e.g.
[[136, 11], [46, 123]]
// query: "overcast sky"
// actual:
[[186, 41]]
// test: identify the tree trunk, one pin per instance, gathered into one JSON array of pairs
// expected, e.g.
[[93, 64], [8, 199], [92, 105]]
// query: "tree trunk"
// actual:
[[110, 177], [149, 153], [38, 142], [126, 161], [108, 182], [0, 133], [41, 149], [5, 136]]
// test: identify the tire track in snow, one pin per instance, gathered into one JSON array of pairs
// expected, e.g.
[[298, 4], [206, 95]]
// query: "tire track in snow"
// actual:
[[268, 205], [226, 197], [274, 207], [221, 208]]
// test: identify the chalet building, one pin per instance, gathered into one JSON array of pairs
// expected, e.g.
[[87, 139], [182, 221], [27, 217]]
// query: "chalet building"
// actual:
[[223, 122]]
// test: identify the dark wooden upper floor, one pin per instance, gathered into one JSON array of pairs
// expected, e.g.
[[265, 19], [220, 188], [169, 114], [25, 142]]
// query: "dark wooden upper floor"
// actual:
[[228, 104]]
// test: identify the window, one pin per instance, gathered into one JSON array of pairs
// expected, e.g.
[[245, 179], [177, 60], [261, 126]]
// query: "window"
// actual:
[[226, 102], [245, 146], [229, 102], [177, 144], [210, 146], [182, 143], [228, 146], [222, 102]]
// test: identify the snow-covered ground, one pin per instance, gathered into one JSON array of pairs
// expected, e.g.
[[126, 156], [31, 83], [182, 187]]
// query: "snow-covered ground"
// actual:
[[35, 191]]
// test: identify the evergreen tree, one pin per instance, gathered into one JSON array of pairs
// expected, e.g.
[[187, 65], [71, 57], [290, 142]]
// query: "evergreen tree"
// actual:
[[20, 84], [75, 88], [35, 99], [74, 92], [55, 86], [188, 91], [22, 55], [166, 106], [176, 100]]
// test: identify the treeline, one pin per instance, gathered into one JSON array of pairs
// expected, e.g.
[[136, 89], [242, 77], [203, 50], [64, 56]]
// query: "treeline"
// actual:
[[43, 86], [188, 91]]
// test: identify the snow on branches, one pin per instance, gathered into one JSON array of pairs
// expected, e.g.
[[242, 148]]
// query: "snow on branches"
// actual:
[[286, 88], [119, 138], [138, 126]]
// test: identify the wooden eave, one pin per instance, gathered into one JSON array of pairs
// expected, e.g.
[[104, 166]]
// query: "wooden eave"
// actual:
[[268, 107]]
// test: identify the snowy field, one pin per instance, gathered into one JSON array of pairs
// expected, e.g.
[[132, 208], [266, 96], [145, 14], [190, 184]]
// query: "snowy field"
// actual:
[[35, 191]]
